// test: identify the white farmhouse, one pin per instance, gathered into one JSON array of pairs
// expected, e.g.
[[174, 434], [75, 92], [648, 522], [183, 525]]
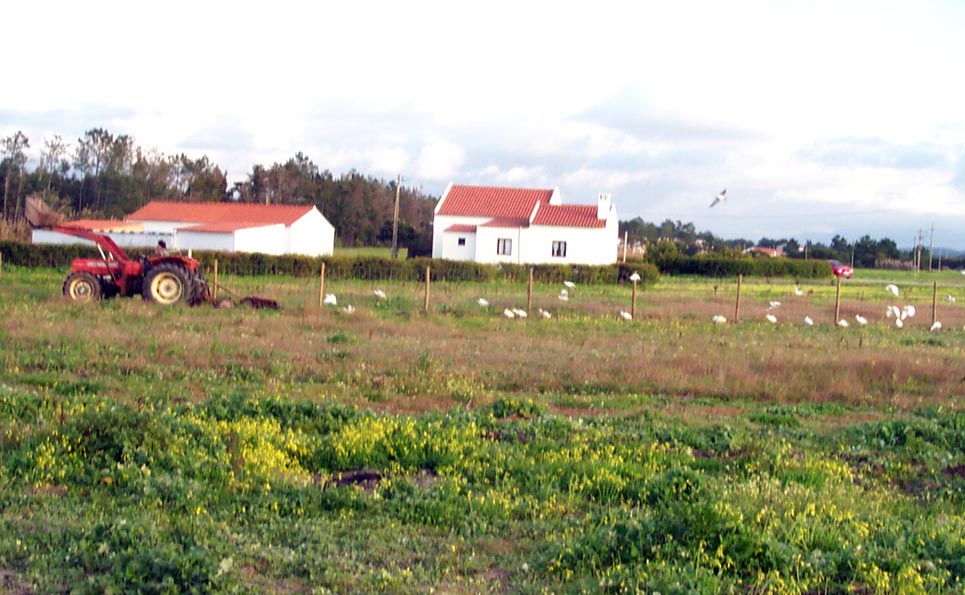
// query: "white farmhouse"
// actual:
[[227, 227], [489, 224]]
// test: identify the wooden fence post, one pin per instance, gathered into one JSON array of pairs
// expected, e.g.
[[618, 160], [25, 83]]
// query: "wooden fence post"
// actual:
[[214, 289], [837, 302], [934, 303], [1, 266], [321, 285], [737, 306], [425, 307], [633, 300], [529, 291]]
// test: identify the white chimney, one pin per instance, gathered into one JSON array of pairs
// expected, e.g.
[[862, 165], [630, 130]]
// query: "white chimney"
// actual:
[[603, 205]]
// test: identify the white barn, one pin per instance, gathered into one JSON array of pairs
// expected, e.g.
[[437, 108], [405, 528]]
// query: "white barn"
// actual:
[[227, 227], [517, 225]]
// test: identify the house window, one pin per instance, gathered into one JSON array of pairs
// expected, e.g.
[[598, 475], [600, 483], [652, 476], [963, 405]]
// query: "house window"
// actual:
[[462, 241], [504, 246], [559, 249]]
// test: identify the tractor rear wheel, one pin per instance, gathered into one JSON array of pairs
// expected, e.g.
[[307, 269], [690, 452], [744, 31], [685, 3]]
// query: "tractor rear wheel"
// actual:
[[168, 283], [83, 288]]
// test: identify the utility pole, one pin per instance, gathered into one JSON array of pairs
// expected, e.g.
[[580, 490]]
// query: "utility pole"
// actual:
[[931, 246], [395, 219]]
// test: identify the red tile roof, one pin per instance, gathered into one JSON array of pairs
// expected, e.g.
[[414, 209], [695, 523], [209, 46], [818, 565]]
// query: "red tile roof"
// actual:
[[217, 212], [568, 216], [461, 228], [506, 222], [491, 201]]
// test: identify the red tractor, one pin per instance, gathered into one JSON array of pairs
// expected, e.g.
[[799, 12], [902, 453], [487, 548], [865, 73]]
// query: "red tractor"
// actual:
[[160, 278]]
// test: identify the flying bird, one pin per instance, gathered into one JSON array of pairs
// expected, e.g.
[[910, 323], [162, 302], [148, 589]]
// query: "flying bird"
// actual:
[[721, 197]]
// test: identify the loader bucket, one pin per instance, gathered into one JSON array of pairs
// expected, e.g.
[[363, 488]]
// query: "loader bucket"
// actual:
[[39, 215]]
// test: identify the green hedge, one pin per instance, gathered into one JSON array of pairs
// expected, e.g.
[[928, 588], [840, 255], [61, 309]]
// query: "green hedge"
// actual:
[[373, 268], [730, 267]]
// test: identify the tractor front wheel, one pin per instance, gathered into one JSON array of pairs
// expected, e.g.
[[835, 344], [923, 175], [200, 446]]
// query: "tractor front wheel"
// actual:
[[83, 287], [169, 284]]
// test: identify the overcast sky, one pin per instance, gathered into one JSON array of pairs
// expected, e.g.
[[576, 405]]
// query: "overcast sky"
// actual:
[[818, 117]]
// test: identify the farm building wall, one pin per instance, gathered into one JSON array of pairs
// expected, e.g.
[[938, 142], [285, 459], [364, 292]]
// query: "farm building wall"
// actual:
[[311, 235]]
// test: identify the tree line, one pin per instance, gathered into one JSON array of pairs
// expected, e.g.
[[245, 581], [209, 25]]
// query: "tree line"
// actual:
[[104, 175], [671, 237]]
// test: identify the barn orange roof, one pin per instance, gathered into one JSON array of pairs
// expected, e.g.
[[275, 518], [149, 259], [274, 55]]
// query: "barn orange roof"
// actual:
[[568, 216], [491, 201], [104, 225], [217, 212]]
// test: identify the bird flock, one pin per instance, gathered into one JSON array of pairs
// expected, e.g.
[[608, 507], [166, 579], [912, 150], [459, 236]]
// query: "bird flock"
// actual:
[[894, 314], [897, 315]]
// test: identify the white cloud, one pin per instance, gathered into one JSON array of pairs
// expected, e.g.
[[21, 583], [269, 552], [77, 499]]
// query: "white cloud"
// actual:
[[440, 160]]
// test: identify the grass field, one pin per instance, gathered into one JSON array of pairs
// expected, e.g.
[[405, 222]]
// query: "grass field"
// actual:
[[309, 450]]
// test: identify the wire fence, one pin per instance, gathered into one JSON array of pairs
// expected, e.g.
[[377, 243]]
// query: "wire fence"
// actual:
[[898, 300]]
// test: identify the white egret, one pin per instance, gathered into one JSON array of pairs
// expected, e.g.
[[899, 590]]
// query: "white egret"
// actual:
[[635, 276], [718, 319], [798, 292], [626, 315], [721, 197], [379, 294], [508, 313], [569, 284], [909, 311], [843, 323], [899, 323], [774, 304], [892, 288], [935, 326], [771, 318], [520, 313], [861, 319], [808, 321], [330, 300], [544, 314], [349, 309], [482, 302], [951, 298]]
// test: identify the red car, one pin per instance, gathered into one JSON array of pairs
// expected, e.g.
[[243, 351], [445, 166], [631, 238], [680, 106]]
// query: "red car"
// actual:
[[840, 269]]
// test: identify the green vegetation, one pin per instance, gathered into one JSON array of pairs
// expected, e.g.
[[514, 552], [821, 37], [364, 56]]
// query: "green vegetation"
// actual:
[[148, 449]]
